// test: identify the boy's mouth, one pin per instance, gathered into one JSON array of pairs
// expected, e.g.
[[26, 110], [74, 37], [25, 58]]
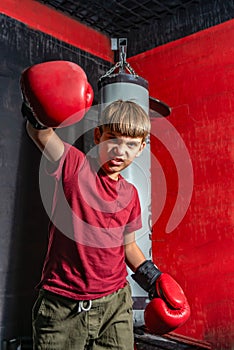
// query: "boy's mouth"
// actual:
[[116, 161]]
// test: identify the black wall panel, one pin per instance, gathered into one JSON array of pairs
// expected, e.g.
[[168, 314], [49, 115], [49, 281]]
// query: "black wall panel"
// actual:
[[191, 19], [23, 220]]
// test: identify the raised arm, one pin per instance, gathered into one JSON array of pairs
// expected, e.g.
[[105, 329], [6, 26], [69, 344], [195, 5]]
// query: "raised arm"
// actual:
[[55, 94], [47, 141]]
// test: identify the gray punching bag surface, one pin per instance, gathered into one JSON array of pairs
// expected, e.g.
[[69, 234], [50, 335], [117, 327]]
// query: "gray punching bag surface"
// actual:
[[134, 88], [123, 86]]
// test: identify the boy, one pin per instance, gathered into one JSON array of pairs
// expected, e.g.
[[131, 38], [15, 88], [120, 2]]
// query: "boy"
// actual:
[[85, 300]]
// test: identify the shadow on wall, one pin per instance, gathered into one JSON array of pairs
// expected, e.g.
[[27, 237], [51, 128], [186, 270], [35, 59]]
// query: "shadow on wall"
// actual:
[[23, 221], [26, 246]]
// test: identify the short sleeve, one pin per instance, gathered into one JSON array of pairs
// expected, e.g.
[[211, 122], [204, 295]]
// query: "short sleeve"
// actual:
[[68, 163], [135, 220]]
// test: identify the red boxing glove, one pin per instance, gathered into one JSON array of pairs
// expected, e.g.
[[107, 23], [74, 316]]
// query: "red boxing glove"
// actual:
[[57, 92], [169, 309]]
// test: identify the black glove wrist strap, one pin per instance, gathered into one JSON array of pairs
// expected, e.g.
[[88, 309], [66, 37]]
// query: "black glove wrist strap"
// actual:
[[146, 276], [27, 113]]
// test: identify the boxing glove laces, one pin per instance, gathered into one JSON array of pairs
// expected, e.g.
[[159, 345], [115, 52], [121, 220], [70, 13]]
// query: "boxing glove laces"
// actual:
[[29, 115], [146, 276]]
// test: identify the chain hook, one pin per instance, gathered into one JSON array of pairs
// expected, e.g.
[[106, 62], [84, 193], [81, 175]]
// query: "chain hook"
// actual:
[[122, 64]]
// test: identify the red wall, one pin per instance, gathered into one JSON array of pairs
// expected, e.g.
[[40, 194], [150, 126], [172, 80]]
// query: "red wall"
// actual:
[[45, 19], [195, 76]]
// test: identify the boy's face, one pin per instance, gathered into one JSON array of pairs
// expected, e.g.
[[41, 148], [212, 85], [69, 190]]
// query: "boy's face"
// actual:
[[116, 152]]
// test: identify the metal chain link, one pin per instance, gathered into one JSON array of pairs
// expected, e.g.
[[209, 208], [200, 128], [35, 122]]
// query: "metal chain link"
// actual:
[[130, 69], [111, 70], [117, 65]]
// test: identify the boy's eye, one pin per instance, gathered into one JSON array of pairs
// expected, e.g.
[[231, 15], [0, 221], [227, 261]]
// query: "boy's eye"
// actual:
[[132, 144]]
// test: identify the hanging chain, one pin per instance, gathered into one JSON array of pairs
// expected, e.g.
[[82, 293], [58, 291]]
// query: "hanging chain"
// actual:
[[130, 69], [123, 64], [117, 65]]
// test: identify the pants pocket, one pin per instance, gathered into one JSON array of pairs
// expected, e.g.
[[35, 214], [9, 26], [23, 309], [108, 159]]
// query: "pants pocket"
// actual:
[[36, 307], [54, 308]]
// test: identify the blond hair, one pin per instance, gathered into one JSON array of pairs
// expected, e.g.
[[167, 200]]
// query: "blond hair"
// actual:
[[126, 118]]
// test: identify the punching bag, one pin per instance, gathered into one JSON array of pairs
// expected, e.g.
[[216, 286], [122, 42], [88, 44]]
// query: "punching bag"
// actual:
[[129, 86], [123, 86]]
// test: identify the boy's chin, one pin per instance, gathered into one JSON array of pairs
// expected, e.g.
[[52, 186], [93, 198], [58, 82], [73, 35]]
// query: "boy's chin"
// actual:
[[112, 170]]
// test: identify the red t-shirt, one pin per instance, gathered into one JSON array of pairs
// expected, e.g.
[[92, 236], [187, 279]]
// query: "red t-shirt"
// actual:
[[91, 214]]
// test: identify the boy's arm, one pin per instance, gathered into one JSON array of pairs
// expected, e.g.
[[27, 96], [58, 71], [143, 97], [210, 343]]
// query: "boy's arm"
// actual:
[[133, 254], [55, 94], [168, 308], [47, 141]]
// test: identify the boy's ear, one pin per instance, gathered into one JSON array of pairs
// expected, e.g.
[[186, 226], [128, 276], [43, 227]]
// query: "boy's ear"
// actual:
[[97, 135], [143, 144]]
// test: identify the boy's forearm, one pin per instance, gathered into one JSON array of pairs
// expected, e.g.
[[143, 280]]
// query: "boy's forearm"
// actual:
[[47, 141], [134, 256]]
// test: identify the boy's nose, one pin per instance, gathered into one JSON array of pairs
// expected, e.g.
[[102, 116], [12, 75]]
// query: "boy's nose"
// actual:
[[119, 149]]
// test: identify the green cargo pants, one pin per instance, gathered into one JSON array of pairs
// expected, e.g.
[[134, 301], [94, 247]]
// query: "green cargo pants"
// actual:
[[60, 323]]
